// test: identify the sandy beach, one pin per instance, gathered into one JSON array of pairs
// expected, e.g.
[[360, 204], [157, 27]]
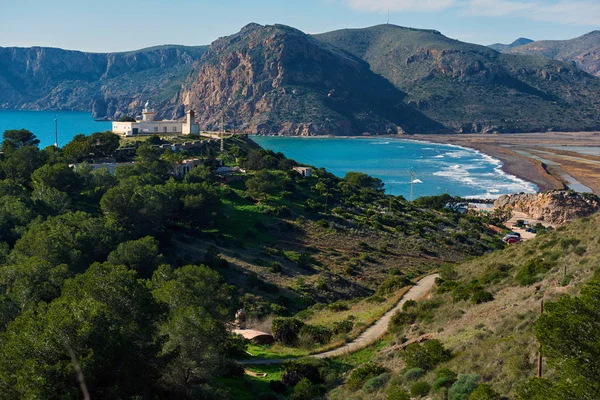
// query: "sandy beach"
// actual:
[[551, 160]]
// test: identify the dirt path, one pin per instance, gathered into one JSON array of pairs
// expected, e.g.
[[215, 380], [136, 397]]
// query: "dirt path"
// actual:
[[371, 334]]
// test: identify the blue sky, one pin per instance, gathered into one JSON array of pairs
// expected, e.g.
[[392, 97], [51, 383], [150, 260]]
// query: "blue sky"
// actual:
[[112, 25]]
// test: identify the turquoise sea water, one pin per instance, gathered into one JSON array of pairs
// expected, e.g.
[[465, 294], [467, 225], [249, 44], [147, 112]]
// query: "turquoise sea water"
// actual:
[[41, 123], [438, 168]]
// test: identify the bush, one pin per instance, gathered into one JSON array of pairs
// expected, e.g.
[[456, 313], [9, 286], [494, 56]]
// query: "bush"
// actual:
[[528, 274], [362, 373], [392, 284], [396, 393], [414, 373], [341, 327], [305, 261], [307, 368], [278, 387], [275, 267], [305, 389], [285, 330], [481, 296], [484, 392], [338, 306], [409, 304], [374, 384], [448, 273], [316, 333], [425, 356], [444, 379], [420, 389], [401, 319], [463, 387]]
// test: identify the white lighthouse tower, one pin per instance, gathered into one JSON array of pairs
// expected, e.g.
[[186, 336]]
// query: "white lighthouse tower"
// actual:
[[148, 114]]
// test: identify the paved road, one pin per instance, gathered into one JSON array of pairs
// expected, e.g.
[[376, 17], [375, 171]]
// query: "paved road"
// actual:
[[371, 334]]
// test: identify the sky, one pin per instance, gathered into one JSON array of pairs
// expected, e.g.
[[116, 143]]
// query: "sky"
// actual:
[[121, 25]]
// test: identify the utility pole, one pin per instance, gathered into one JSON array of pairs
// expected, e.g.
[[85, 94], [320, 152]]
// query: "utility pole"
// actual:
[[56, 129], [388, 20], [391, 197], [539, 360], [412, 184]]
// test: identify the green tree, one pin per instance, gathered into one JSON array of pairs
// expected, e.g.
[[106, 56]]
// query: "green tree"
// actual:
[[569, 332], [262, 184], [141, 255], [104, 321], [363, 180], [16, 138], [19, 164]]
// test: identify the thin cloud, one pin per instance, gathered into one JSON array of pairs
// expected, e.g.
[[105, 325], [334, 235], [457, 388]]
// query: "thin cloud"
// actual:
[[399, 5], [569, 12]]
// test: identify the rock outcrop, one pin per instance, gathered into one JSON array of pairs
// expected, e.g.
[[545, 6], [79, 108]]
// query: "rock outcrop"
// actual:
[[555, 207]]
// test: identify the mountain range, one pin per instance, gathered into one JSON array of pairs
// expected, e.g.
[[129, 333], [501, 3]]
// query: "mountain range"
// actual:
[[279, 80], [583, 51]]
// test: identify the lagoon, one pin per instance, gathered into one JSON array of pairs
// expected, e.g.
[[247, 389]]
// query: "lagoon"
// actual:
[[438, 168], [41, 123]]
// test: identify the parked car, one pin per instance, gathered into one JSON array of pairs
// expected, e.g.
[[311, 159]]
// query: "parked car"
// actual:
[[515, 234], [531, 230], [512, 240]]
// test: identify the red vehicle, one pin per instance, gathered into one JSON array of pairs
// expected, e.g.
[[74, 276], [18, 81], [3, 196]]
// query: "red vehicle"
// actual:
[[512, 240]]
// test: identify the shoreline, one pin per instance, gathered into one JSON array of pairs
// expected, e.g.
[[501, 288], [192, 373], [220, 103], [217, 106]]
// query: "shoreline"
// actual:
[[512, 163]]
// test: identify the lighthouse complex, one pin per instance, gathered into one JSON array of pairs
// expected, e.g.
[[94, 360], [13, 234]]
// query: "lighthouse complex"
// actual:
[[147, 125]]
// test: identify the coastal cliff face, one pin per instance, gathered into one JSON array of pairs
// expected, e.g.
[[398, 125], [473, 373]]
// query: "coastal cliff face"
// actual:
[[554, 207], [278, 80], [109, 85]]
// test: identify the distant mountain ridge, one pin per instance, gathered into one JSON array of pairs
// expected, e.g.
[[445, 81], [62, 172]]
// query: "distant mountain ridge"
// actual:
[[109, 84], [583, 51], [505, 47], [276, 79]]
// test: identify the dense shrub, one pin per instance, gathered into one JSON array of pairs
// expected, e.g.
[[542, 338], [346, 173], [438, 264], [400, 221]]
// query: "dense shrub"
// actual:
[[409, 304], [463, 387], [392, 284], [414, 373], [425, 356], [341, 327], [316, 333], [529, 273], [307, 368], [376, 383], [419, 389], [338, 306], [401, 319], [362, 373], [445, 378], [285, 330], [484, 392], [305, 389], [396, 393], [481, 296]]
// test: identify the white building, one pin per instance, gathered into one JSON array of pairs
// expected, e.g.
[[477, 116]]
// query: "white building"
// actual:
[[149, 126]]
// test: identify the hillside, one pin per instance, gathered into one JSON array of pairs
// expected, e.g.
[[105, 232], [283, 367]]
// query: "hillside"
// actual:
[[278, 80], [484, 314], [135, 277], [583, 51], [505, 47], [109, 85], [471, 88]]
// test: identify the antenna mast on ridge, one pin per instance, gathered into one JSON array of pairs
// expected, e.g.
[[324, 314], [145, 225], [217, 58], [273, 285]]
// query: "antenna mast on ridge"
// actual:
[[388, 20], [222, 131]]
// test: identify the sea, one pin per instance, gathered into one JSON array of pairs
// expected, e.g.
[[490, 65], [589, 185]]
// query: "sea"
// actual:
[[41, 123], [436, 168]]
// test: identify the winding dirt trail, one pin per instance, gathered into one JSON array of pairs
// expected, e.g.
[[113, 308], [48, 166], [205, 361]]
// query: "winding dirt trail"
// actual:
[[372, 333]]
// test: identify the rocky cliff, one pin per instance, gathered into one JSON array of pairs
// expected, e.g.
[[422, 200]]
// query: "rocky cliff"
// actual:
[[278, 80], [554, 207], [109, 85]]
